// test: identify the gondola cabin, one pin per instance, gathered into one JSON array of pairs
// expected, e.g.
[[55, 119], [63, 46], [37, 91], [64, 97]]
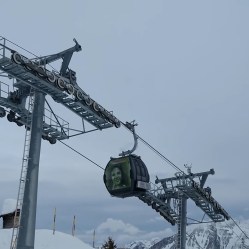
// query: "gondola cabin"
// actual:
[[126, 176]]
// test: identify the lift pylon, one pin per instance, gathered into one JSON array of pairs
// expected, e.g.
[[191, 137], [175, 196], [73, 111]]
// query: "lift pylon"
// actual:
[[25, 74], [190, 186]]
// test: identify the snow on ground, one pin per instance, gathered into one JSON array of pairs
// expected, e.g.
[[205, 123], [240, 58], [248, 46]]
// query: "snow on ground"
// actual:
[[46, 240]]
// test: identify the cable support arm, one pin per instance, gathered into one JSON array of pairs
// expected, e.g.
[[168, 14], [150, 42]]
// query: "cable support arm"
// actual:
[[66, 55], [203, 176], [131, 127]]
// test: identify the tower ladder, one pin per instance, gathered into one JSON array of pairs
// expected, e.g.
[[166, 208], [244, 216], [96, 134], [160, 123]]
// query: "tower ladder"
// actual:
[[22, 182]]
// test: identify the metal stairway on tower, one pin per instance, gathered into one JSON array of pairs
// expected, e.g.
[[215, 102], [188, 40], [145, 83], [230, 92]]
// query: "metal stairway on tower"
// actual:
[[24, 168]]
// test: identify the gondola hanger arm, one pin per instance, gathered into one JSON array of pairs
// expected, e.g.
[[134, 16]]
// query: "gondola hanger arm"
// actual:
[[131, 127]]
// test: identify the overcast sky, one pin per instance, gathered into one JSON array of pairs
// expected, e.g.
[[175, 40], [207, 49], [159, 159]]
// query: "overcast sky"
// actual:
[[179, 68]]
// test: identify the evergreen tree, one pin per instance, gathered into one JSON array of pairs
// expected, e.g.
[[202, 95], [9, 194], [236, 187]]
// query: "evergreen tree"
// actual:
[[109, 244]]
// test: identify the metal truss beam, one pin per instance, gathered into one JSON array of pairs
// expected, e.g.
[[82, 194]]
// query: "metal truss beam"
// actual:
[[164, 209], [25, 78]]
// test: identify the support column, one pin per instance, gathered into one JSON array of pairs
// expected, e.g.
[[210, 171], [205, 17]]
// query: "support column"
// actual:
[[26, 236], [181, 235], [184, 222]]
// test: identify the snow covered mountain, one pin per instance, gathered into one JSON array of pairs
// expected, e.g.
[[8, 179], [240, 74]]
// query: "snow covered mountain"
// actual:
[[204, 236], [142, 244]]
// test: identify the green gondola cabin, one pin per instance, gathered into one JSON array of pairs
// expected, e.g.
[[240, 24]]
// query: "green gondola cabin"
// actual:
[[126, 176]]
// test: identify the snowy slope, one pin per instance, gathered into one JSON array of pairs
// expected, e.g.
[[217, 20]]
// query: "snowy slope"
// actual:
[[205, 236], [46, 240]]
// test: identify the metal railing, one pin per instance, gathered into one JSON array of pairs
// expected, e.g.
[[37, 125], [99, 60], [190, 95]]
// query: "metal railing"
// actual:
[[54, 121], [4, 90], [7, 47]]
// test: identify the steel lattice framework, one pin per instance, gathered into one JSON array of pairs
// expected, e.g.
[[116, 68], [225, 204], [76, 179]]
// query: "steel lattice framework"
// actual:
[[179, 189]]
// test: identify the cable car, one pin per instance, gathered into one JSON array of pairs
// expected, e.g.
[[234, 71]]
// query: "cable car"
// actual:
[[126, 176]]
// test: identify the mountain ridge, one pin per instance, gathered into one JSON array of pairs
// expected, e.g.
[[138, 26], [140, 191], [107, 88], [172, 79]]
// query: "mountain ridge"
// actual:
[[224, 235]]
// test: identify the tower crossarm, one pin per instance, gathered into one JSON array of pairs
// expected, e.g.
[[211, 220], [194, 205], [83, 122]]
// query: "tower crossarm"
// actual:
[[201, 175], [204, 200], [86, 108], [61, 86], [65, 55]]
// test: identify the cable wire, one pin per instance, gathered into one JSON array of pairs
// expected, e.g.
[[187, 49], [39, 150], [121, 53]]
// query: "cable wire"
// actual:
[[238, 227], [20, 47], [156, 151], [81, 154]]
